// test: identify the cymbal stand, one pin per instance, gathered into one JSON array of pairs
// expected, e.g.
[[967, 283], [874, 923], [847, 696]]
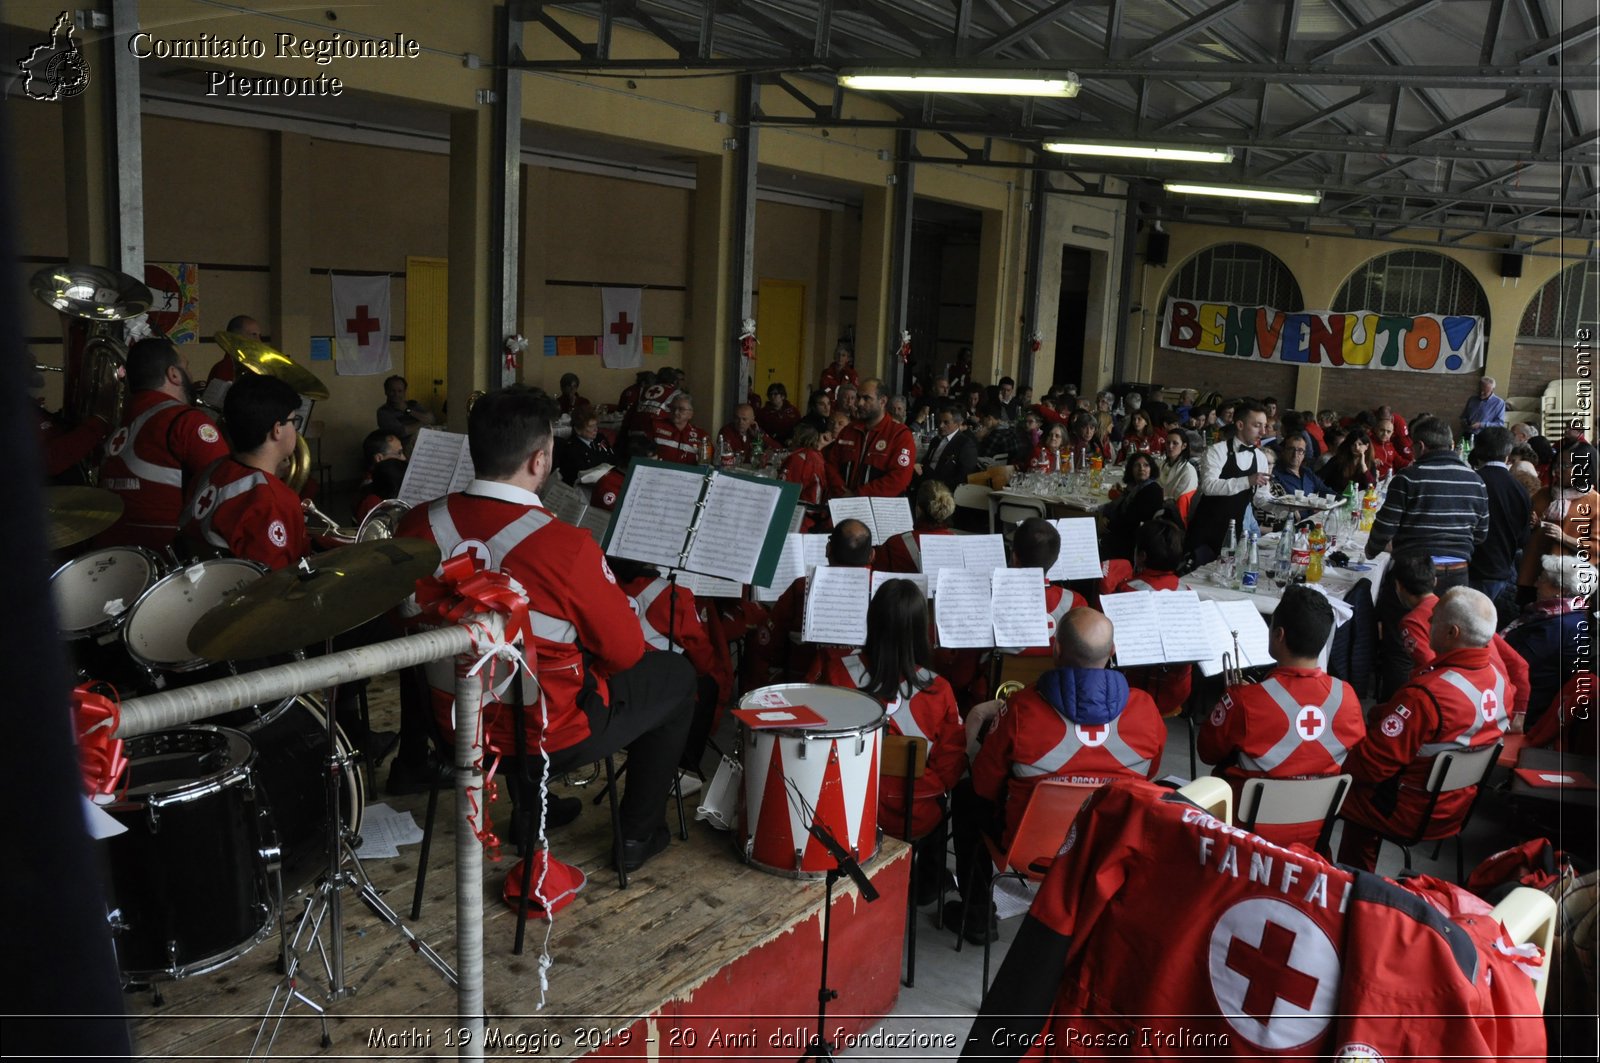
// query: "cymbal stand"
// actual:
[[325, 909]]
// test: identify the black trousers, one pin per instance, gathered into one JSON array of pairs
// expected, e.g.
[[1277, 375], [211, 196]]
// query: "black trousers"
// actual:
[[1394, 660]]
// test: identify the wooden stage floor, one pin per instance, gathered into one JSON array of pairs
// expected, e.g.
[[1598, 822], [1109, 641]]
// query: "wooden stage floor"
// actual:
[[619, 956]]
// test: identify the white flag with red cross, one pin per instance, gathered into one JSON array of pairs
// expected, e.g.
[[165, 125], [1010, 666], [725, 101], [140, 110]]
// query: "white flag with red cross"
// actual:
[[361, 324], [621, 335]]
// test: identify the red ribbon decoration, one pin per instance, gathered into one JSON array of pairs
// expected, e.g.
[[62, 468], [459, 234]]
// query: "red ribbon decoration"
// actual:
[[99, 751]]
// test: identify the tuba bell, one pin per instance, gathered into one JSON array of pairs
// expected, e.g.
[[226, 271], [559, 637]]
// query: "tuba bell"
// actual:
[[380, 521], [93, 302]]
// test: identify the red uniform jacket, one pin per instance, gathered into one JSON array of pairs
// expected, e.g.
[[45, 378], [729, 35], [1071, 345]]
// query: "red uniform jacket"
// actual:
[[1295, 724], [1168, 684], [1388, 457], [681, 445], [834, 375], [778, 423], [903, 552], [247, 513], [64, 447], [1460, 703], [223, 370], [161, 443], [584, 627], [628, 400], [1047, 460], [652, 407], [1414, 633], [931, 715], [872, 461], [806, 468], [1276, 953], [1033, 739], [663, 612], [730, 441], [608, 489]]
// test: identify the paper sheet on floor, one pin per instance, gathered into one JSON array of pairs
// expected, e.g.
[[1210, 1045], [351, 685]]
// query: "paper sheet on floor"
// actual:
[[385, 829], [1012, 897]]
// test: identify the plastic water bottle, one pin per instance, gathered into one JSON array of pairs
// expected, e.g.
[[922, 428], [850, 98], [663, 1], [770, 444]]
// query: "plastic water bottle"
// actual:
[[1230, 550], [1283, 563], [1250, 581]]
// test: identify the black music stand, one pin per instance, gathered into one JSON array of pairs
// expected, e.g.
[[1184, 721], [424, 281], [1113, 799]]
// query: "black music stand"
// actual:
[[844, 864]]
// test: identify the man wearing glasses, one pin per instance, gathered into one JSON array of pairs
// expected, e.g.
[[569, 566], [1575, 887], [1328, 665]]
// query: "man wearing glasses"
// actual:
[[239, 506]]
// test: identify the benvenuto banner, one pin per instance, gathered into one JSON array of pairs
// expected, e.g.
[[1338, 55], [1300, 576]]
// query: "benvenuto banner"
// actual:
[[1357, 339]]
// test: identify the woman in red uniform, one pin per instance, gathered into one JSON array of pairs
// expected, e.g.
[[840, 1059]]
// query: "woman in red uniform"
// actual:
[[934, 507], [805, 466], [1052, 455]]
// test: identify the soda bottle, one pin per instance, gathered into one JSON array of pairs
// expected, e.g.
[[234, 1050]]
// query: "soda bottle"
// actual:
[[1318, 542], [1251, 579], [703, 450], [1096, 465], [1369, 508], [1300, 558]]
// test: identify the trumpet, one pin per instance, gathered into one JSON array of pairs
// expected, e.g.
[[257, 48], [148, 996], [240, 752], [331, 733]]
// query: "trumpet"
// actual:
[[1232, 672], [1005, 690], [378, 524]]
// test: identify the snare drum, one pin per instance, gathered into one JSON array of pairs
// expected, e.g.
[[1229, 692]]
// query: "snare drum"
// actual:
[[93, 595], [158, 627], [291, 745], [794, 775], [188, 883]]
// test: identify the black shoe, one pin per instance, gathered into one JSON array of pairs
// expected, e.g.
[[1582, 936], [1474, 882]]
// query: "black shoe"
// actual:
[[376, 747], [636, 854], [976, 930], [406, 778], [559, 811], [928, 886]]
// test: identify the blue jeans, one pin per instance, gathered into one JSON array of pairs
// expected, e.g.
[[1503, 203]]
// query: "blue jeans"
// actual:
[[1494, 588]]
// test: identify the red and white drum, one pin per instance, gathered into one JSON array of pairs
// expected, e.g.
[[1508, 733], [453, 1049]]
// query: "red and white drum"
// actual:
[[794, 775]]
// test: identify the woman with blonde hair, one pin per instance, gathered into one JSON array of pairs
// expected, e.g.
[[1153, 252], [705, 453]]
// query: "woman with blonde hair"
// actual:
[[935, 505]]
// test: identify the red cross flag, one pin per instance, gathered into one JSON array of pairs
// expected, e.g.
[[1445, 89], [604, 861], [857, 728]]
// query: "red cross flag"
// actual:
[[621, 334], [361, 325]]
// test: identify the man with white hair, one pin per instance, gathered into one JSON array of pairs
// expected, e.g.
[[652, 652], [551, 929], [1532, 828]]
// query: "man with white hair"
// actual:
[[1459, 704], [1553, 634], [1483, 410]]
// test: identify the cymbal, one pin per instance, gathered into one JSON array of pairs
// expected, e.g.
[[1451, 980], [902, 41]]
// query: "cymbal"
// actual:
[[266, 360], [93, 292], [292, 608], [78, 513]]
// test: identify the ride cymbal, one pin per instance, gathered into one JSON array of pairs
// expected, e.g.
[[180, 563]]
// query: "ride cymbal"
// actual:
[[73, 514], [296, 607], [94, 292], [266, 360]]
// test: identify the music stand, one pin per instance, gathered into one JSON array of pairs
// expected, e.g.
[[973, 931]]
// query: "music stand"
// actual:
[[844, 864]]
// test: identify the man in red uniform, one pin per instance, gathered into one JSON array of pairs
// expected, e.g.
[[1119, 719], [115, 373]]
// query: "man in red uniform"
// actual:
[[1458, 704], [1298, 723], [655, 401], [778, 652], [1413, 585], [163, 442], [678, 439], [779, 416], [69, 448], [597, 687], [740, 437], [1389, 453], [242, 325], [608, 489], [840, 372], [239, 506], [1080, 721], [875, 454]]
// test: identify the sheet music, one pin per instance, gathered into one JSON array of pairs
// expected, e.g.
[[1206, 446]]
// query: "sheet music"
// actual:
[[1138, 627], [963, 612], [797, 519], [1018, 607], [836, 606], [1080, 552], [815, 549], [1183, 632], [595, 521], [981, 552], [918, 578], [843, 509], [592, 475], [705, 586], [440, 463], [1246, 619], [791, 566], [890, 517], [941, 552], [654, 515], [733, 528], [566, 502], [215, 393]]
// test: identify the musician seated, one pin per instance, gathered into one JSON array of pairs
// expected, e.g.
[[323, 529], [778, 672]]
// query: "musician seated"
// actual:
[[931, 514], [608, 488], [1414, 581], [920, 704], [1080, 721], [241, 325], [1157, 552], [777, 653], [239, 506], [1037, 544], [806, 466], [384, 459], [1297, 723], [1458, 704], [68, 448]]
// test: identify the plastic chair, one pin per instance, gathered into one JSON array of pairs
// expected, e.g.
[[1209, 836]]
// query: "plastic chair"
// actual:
[[1211, 794], [1184, 503], [1021, 668], [1529, 915], [975, 497], [1011, 512], [906, 757], [1283, 801], [1045, 822], [1452, 771]]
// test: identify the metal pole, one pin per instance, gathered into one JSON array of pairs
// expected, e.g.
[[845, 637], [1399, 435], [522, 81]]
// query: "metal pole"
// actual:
[[469, 868], [742, 260], [904, 205], [1032, 267]]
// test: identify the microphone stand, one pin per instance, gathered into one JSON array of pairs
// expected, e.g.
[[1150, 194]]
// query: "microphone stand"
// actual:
[[820, 1047]]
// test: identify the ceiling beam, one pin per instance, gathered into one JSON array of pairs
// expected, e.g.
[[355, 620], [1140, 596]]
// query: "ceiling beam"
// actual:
[[1562, 41], [1186, 29], [1326, 112], [1462, 119], [1023, 29], [1365, 31], [1202, 107]]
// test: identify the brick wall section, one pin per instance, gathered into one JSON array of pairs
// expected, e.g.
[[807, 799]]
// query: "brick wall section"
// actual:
[[1534, 365], [1351, 390], [1233, 377]]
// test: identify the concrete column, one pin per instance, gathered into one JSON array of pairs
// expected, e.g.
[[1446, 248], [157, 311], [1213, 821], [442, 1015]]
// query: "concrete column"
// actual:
[[991, 359], [825, 310], [103, 147], [290, 298], [872, 290], [474, 306], [535, 260], [711, 238]]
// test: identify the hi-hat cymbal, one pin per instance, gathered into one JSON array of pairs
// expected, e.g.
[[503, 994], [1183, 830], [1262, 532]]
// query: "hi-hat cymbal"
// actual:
[[262, 358], [74, 514], [93, 292], [292, 608]]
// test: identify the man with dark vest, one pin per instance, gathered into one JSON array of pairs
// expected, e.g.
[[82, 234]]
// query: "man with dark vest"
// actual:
[[874, 454], [1297, 723], [163, 442], [1233, 473]]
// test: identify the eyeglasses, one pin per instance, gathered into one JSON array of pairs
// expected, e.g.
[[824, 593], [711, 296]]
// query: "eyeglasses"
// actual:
[[294, 419]]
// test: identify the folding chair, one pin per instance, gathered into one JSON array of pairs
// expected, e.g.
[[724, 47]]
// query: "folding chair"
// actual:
[[1011, 512], [1452, 771], [974, 498], [1529, 915], [906, 757], [1271, 802]]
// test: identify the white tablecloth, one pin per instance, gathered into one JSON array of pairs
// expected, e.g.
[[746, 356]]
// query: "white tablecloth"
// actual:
[[1338, 582]]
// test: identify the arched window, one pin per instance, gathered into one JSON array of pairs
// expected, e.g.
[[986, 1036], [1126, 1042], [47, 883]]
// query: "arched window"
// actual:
[[1568, 301], [1414, 282], [1236, 273]]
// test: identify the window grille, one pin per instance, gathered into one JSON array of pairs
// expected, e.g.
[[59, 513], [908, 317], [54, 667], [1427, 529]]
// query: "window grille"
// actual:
[[1567, 302], [1236, 273], [1413, 282]]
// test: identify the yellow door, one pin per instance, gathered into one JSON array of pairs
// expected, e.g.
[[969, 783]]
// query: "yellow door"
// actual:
[[780, 337], [427, 332]]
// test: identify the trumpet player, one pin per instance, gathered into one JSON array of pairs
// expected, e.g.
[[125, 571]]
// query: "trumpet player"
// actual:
[[1298, 723], [162, 447]]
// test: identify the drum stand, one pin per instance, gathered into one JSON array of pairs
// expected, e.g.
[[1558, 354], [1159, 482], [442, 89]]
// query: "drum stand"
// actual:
[[324, 908], [820, 1047]]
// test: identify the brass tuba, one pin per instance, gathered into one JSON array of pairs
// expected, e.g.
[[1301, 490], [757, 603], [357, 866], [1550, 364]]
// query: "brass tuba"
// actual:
[[379, 523], [93, 302], [258, 357]]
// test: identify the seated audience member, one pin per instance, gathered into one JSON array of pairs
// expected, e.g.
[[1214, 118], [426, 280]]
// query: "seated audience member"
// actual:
[[959, 372], [608, 488], [1031, 435], [892, 668], [384, 462], [570, 401], [954, 455], [1294, 427], [1527, 434], [1352, 465], [678, 438], [741, 437], [1107, 424], [1293, 469], [1178, 476], [1140, 435], [844, 399], [997, 440], [1297, 723], [628, 401], [779, 416], [1459, 704], [1052, 455], [838, 421], [779, 653], [931, 514], [898, 409], [806, 466], [1086, 441], [1389, 455], [1079, 722], [1139, 502], [1186, 401], [1414, 585], [1334, 434], [1553, 634], [818, 410], [585, 448], [1523, 463], [841, 372], [1566, 515], [399, 415]]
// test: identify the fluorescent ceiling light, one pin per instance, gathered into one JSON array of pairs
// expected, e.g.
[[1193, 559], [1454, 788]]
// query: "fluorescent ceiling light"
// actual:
[[1243, 192], [986, 82], [1140, 151]]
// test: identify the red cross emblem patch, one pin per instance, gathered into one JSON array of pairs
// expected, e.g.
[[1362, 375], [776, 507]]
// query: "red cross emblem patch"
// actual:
[[1275, 973], [118, 441], [1310, 723], [1093, 735], [1489, 705], [479, 551], [204, 501]]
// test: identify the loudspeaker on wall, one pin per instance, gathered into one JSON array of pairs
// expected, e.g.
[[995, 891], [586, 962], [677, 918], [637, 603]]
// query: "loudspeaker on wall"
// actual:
[[1510, 265], [1155, 248]]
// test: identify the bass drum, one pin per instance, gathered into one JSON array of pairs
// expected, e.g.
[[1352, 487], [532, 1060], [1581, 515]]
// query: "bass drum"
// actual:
[[188, 883], [291, 745]]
